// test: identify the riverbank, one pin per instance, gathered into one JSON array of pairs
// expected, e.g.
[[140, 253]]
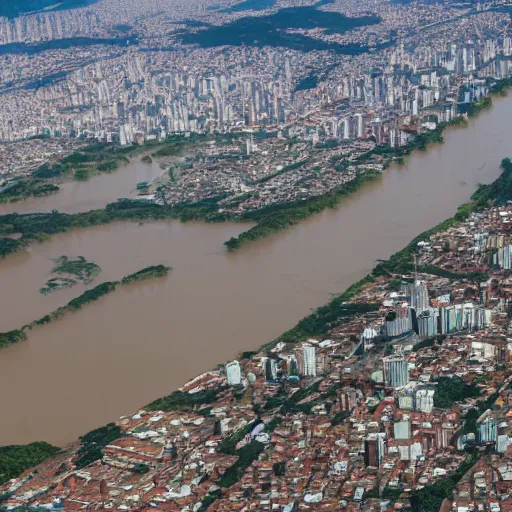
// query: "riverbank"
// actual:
[[326, 318], [283, 216], [402, 262], [268, 286], [92, 295], [90, 161], [269, 220], [40, 226]]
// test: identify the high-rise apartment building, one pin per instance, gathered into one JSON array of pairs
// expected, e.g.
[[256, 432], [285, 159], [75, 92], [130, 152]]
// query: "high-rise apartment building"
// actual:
[[396, 371], [308, 361], [233, 373]]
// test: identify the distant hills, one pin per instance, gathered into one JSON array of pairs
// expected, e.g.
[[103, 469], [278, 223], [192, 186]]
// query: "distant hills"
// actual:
[[14, 8], [270, 30]]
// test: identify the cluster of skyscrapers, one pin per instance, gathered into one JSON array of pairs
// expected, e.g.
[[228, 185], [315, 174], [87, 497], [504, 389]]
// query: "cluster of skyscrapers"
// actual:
[[148, 94], [412, 313]]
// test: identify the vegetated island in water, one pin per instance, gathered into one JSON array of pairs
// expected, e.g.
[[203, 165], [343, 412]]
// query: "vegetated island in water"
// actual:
[[22, 188], [14, 460], [14, 336], [70, 272]]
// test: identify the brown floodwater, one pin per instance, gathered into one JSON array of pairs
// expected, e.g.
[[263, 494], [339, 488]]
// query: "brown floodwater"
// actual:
[[145, 340], [99, 190]]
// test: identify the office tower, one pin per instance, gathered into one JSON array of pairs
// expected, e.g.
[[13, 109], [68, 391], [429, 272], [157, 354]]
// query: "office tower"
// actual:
[[392, 137], [503, 257], [269, 368], [233, 373], [488, 430], [419, 296], [373, 450], [360, 125], [368, 338], [348, 398], [396, 371], [346, 128], [402, 430], [292, 366], [308, 361], [424, 400], [400, 321], [427, 321]]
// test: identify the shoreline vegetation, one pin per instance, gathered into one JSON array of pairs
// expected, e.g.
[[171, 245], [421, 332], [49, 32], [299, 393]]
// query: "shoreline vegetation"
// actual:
[[92, 295], [15, 459], [23, 188], [269, 220]]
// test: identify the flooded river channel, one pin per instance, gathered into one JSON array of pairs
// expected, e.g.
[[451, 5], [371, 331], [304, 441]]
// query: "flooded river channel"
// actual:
[[145, 340]]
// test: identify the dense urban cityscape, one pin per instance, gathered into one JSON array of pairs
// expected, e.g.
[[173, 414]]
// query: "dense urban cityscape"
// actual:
[[415, 68], [397, 394]]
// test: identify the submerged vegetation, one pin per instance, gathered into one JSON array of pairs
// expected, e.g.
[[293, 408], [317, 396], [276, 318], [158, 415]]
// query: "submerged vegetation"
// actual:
[[147, 273], [39, 226], [92, 295], [69, 272], [23, 188], [479, 105], [86, 162], [82, 269], [11, 337]]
